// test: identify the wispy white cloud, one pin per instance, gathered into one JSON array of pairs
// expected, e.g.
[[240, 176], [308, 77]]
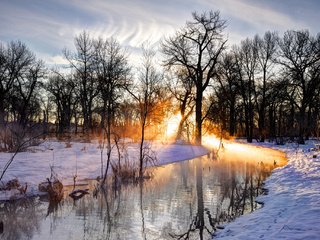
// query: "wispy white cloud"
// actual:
[[261, 16], [49, 26], [246, 18], [131, 22], [57, 60]]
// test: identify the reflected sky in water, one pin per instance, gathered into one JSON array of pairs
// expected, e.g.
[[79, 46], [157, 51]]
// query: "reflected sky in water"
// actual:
[[186, 200]]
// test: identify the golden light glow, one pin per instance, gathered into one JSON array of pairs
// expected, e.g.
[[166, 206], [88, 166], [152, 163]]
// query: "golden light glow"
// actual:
[[172, 125], [211, 141], [249, 152]]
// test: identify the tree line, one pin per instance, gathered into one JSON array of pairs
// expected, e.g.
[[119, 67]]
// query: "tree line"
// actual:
[[264, 87]]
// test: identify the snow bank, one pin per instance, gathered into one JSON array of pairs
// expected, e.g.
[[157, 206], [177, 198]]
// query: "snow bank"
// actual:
[[81, 159], [292, 207]]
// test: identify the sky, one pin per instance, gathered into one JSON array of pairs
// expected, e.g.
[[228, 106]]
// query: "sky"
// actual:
[[48, 26]]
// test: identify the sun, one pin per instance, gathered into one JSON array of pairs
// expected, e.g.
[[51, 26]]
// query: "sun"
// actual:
[[172, 125]]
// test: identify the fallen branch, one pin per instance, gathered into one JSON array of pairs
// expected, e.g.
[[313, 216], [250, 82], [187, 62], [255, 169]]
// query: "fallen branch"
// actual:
[[77, 194]]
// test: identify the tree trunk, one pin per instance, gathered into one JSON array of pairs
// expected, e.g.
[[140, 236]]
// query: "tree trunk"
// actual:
[[2, 113], [198, 132], [247, 123], [302, 125], [183, 119], [232, 120], [200, 210], [309, 124], [250, 115], [262, 108], [280, 140], [261, 123], [272, 123], [85, 122], [76, 122], [180, 128], [141, 148], [291, 122], [108, 134], [251, 124]]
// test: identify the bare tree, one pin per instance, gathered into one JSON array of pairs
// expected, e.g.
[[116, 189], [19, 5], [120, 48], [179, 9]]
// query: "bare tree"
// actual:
[[228, 81], [197, 48], [246, 59], [21, 76], [18, 67], [26, 87], [62, 89], [82, 62], [300, 57], [181, 87], [112, 71], [266, 51], [146, 94]]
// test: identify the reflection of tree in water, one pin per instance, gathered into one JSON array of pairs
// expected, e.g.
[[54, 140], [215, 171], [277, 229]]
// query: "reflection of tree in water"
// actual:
[[136, 209], [108, 215], [143, 228], [187, 200], [240, 190], [239, 185], [114, 213], [92, 218], [100, 218], [54, 214], [198, 221], [21, 218]]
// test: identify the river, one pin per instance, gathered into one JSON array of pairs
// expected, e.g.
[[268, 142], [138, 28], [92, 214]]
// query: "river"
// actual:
[[184, 200]]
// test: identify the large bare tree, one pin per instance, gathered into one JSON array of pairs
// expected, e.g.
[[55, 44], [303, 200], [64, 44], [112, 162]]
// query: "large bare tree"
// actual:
[[197, 48], [82, 63], [266, 53], [19, 76], [246, 60]]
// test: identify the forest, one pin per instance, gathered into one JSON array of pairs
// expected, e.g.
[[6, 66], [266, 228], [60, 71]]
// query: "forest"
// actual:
[[265, 87]]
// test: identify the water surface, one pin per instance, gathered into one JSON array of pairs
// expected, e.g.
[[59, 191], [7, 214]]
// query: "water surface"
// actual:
[[185, 200]]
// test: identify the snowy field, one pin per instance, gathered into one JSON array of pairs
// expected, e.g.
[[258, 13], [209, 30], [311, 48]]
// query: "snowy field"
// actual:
[[292, 207]]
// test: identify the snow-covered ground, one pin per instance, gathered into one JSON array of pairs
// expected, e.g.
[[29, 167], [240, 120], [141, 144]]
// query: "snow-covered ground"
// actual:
[[81, 159], [292, 207]]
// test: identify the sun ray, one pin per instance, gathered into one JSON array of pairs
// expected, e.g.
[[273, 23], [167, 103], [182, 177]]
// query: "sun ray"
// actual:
[[172, 125]]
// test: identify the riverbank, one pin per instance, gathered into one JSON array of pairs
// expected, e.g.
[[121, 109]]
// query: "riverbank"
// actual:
[[292, 207], [80, 159]]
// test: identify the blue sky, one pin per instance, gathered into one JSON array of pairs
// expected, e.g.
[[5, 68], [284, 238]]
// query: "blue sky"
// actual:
[[47, 26]]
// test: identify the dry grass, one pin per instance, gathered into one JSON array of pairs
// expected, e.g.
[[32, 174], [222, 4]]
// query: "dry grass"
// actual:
[[126, 173], [68, 145]]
